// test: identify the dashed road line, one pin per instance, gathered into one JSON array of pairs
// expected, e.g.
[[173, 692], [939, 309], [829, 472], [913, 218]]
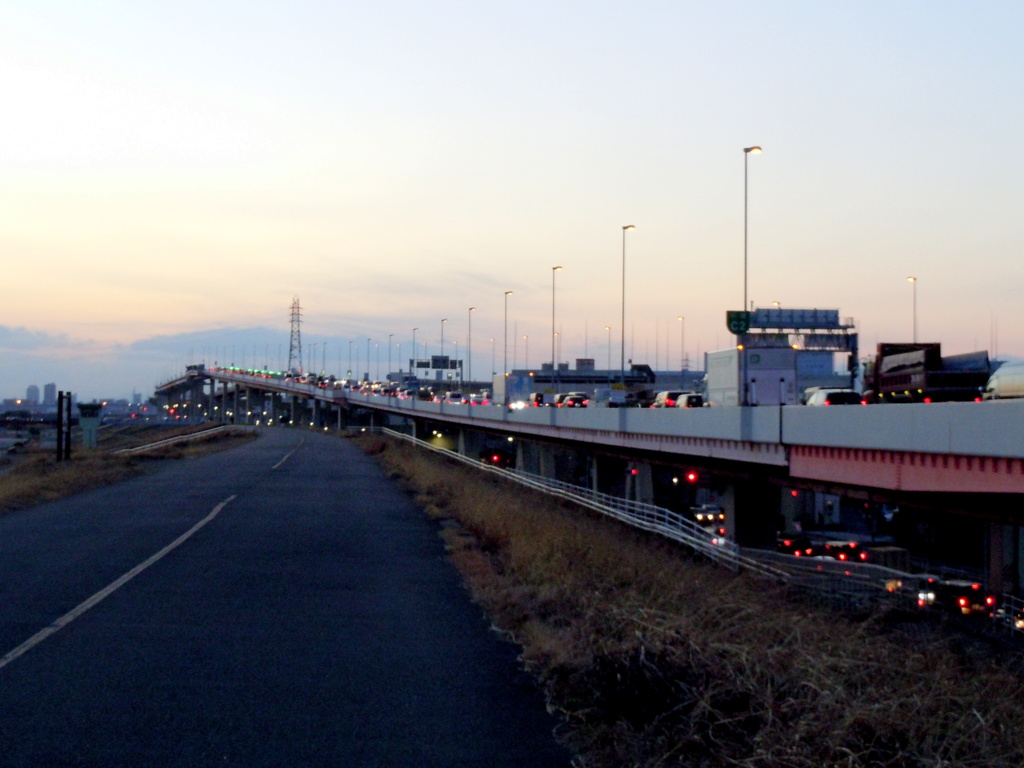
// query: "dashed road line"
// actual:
[[81, 608]]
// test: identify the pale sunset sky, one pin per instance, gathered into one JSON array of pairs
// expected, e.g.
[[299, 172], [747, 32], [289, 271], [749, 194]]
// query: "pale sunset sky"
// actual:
[[172, 175]]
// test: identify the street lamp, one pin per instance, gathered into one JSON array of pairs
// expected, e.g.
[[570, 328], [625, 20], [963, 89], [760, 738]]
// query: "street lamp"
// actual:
[[493, 369], [913, 280], [526, 362], [609, 329], [390, 336], [746, 153], [682, 347], [622, 360], [505, 364], [414, 369], [554, 360], [469, 345], [367, 359], [349, 359]]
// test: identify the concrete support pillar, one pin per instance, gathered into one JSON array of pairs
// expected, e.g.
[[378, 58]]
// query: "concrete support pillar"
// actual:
[[640, 482], [998, 569], [470, 443], [248, 406], [195, 402], [757, 517], [294, 414], [548, 462], [235, 407], [224, 402]]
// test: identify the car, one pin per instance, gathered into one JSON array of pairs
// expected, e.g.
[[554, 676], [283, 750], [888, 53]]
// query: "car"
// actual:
[[573, 400], [666, 399], [690, 400], [454, 398], [957, 596], [537, 400], [836, 397], [794, 543], [479, 398]]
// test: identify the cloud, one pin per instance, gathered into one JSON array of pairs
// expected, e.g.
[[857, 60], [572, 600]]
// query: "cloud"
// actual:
[[24, 340]]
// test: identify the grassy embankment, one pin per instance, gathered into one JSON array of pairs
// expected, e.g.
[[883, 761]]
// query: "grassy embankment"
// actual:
[[38, 477], [653, 658]]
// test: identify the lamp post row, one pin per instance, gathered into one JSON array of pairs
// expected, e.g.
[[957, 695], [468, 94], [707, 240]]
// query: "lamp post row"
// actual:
[[622, 331]]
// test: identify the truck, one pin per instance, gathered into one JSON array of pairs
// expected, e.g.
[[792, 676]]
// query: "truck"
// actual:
[[512, 389], [769, 373], [918, 373]]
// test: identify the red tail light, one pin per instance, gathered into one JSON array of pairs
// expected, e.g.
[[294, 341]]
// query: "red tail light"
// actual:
[[670, 403], [990, 600], [842, 555], [927, 400], [962, 602], [797, 553], [808, 550], [787, 543]]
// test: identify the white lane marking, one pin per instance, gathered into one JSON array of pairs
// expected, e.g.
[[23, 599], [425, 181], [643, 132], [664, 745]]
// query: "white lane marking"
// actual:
[[289, 454], [74, 613]]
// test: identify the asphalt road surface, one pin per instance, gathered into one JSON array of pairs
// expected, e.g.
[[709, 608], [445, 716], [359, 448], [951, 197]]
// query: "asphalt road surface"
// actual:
[[280, 604]]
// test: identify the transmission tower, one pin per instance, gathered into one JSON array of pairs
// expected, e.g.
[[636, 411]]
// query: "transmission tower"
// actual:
[[295, 347]]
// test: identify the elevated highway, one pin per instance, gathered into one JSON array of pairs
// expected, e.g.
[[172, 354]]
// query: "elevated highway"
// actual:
[[961, 458]]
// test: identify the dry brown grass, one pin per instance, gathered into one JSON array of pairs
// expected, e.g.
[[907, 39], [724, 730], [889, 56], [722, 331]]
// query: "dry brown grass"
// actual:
[[654, 659], [38, 477]]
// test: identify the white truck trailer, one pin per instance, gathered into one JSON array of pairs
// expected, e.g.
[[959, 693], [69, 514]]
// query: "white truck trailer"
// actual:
[[770, 374]]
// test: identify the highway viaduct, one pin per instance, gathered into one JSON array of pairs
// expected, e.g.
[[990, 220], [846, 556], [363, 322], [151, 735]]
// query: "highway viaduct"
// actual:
[[955, 470]]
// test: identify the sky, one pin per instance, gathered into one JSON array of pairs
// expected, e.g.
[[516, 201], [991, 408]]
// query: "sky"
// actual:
[[172, 176]]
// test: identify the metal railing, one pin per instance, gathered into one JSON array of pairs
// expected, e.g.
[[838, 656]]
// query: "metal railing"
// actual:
[[848, 585], [648, 517], [172, 440]]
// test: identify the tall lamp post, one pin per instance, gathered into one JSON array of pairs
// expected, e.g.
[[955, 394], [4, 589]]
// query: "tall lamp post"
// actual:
[[469, 346], [609, 329], [682, 348], [414, 370], [746, 153], [390, 337], [554, 359], [442, 360], [622, 360], [493, 369], [913, 282], [504, 369], [368, 358]]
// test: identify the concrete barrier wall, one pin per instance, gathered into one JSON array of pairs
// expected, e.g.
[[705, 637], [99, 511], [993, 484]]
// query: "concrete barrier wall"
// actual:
[[993, 428]]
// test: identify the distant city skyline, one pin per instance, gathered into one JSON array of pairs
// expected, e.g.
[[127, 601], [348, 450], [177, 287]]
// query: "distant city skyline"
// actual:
[[168, 187]]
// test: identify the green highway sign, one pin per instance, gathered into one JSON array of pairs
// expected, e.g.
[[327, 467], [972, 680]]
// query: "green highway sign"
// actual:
[[737, 322]]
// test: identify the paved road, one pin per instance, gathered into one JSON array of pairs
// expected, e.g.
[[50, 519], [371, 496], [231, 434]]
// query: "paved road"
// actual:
[[305, 617]]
